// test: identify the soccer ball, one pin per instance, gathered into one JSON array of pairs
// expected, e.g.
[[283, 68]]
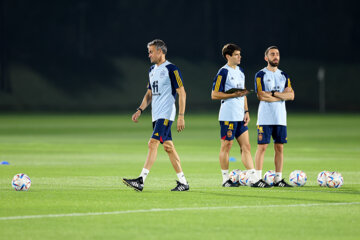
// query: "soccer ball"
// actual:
[[297, 178], [21, 182], [244, 179], [334, 180], [269, 177], [234, 175], [321, 178]]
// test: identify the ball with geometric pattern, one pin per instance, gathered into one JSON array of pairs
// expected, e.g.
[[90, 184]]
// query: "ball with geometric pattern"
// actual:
[[21, 182], [234, 175], [244, 178], [334, 180], [321, 178], [269, 177], [297, 178]]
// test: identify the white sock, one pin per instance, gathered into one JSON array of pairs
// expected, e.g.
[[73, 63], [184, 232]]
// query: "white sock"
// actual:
[[258, 174], [252, 175], [225, 175], [278, 176], [182, 178], [144, 174]]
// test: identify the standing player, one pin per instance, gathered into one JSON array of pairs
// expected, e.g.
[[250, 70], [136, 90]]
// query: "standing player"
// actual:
[[273, 88], [165, 82], [234, 114]]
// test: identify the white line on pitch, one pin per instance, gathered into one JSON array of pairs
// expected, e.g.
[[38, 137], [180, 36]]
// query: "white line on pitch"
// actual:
[[171, 210]]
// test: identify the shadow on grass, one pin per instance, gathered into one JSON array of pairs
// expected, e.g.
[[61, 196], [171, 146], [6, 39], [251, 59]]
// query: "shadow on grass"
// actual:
[[283, 198]]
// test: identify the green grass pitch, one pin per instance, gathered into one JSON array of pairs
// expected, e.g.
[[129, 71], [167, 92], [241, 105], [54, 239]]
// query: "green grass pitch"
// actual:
[[76, 163]]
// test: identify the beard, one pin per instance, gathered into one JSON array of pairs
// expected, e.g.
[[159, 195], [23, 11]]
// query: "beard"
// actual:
[[154, 60], [274, 64]]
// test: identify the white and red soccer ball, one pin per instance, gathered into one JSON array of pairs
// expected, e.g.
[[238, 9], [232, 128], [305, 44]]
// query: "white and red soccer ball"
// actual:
[[297, 178], [234, 175], [321, 178], [244, 178], [269, 177], [21, 182], [334, 180]]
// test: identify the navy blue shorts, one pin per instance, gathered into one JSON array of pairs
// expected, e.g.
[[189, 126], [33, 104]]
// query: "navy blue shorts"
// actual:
[[229, 130], [277, 132], [162, 130]]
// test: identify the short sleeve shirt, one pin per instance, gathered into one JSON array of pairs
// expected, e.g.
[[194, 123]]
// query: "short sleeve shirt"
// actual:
[[163, 82], [271, 113], [231, 109]]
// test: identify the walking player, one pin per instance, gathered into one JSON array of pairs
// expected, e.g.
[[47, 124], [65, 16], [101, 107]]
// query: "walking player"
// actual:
[[165, 82]]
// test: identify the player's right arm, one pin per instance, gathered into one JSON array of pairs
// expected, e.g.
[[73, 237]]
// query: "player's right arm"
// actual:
[[145, 102], [221, 95]]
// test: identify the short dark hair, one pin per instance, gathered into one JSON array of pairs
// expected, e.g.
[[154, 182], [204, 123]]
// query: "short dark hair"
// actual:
[[229, 49], [269, 48], [159, 44]]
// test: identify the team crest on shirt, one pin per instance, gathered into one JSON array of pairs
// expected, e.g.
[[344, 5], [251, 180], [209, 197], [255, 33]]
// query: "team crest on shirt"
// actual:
[[162, 73], [260, 137], [229, 134]]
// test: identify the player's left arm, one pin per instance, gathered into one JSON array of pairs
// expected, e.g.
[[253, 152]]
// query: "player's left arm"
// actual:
[[287, 95], [246, 109], [182, 105]]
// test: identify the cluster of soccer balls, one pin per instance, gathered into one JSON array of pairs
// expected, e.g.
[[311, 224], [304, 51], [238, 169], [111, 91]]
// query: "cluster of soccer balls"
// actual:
[[297, 178], [240, 176], [330, 179]]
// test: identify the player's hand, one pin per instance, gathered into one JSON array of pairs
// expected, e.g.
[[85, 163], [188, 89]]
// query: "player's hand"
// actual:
[[180, 123], [136, 116], [246, 118], [288, 89], [241, 93]]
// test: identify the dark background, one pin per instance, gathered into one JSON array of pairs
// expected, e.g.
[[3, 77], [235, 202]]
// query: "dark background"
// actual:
[[92, 55]]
